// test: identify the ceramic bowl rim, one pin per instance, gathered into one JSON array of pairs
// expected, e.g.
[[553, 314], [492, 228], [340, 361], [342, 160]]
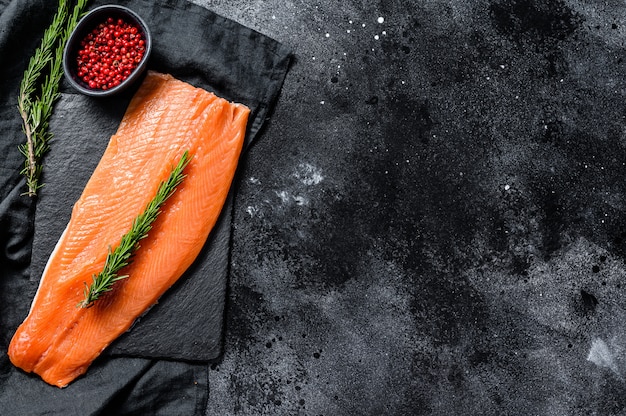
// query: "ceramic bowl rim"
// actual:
[[91, 18]]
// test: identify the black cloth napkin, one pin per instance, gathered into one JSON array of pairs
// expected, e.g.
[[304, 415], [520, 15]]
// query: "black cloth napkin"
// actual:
[[194, 45]]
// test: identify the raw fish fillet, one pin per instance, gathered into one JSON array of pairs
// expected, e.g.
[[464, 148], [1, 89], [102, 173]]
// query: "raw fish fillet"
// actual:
[[58, 340]]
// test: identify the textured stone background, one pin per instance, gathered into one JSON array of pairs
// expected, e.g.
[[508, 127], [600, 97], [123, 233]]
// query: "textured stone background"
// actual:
[[433, 222]]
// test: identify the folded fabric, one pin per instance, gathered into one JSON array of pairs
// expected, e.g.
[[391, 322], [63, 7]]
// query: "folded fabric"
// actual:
[[194, 45]]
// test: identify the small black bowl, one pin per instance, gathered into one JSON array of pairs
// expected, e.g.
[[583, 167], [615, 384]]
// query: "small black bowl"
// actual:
[[89, 22]]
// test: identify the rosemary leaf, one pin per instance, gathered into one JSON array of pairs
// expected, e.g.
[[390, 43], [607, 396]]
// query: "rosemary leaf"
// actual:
[[120, 257], [36, 100]]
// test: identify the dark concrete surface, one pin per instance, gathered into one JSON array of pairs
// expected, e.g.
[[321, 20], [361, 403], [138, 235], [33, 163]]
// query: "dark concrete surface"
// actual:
[[433, 221]]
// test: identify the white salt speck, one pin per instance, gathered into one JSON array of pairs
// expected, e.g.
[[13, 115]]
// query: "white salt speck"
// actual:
[[348, 30], [363, 25], [402, 82], [313, 58], [308, 174], [350, 21], [273, 16], [376, 37], [381, 20], [501, 66], [385, 32], [322, 102], [507, 187], [327, 35], [300, 200], [283, 195]]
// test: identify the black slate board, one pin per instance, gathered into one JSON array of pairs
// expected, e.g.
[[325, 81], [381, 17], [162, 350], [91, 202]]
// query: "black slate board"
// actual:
[[248, 68], [194, 45]]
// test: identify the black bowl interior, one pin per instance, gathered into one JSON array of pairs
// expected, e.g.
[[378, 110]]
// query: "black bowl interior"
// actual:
[[86, 25]]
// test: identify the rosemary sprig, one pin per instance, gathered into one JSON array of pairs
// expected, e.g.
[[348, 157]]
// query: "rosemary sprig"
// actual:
[[35, 102], [121, 256]]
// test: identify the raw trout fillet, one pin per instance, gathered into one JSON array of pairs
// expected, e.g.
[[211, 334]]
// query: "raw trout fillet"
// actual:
[[59, 340]]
